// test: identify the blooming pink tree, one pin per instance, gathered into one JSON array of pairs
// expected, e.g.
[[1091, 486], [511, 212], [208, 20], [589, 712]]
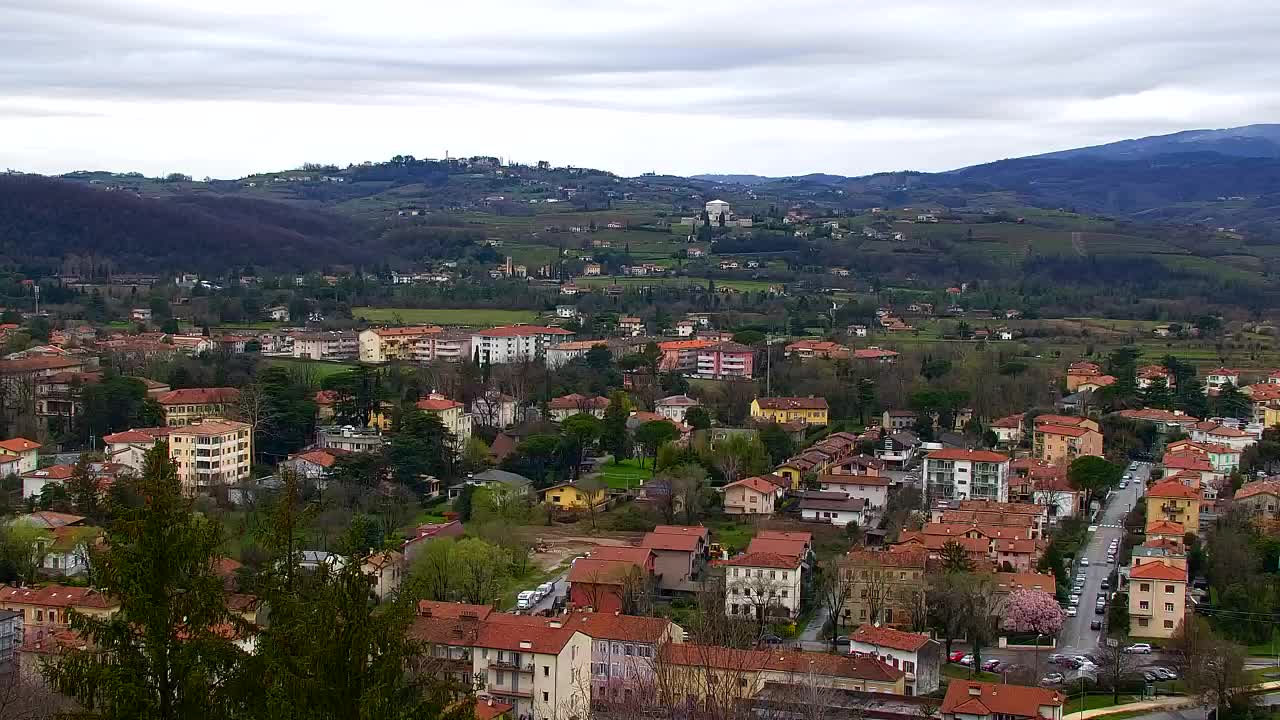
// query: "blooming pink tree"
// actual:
[[1032, 611]]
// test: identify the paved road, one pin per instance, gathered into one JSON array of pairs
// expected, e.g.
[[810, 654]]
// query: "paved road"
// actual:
[[813, 631], [560, 586], [1076, 637]]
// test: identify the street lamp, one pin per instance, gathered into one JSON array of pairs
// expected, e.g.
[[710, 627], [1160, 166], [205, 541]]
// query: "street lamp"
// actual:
[[1082, 696]]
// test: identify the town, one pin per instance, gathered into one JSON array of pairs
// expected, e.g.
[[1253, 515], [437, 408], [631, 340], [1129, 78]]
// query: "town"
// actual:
[[622, 506]]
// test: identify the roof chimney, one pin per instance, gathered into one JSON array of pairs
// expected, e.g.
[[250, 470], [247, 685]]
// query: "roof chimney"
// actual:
[[975, 690]]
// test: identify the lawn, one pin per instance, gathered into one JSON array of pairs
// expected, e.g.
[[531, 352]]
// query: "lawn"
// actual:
[[321, 368], [1093, 701], [626, 474], [956, 671], [487, 317], [732, 534]]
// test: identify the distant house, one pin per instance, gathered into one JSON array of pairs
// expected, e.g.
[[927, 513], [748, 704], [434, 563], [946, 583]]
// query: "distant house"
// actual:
[[675, 407], [973, 700], [566, 406], [810, 410], [567, 496], [836, 508], [749, 496]]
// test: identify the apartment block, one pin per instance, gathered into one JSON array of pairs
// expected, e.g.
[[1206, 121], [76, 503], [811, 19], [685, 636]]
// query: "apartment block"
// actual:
[[955, 474]]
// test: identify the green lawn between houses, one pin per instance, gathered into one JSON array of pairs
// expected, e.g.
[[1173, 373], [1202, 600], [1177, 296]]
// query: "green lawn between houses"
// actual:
[[625, 475]]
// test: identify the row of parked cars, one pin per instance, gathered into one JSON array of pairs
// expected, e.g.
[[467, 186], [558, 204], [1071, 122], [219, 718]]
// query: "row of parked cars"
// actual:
[[966, 659], [529, 598]]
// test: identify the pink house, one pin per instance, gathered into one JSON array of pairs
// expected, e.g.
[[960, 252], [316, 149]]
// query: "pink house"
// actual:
[[726, 360]]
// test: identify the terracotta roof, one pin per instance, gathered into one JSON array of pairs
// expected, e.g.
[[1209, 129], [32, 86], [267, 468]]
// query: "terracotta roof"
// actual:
[[226, 567], [139, 435], [873, 353], [713, 656], [1009, 421], [623, 628], [665, 541], [241, 602], [758, 484], [899, 558], [437, 404], [56, 596], [970, 697], [694, 530], [1165, 544], [53, 472], [764, 559], [935, 543], [513, 632], [1186, 461], [36, 364], [1270, 486], [1263, 392], [789, 535], [948, 529], [1157, 571], [522, 331], [1157, 415], [888, 637], [19, 445], [1026, 581], [1225, 431], [969, 455], [685, 344], [1172, 489], [681, 401], [488, 708], [1167, 527], [452, 611], [199, 396], [1003, 507], [575, 401], [1063, 420], [778, 546], [1063, 430], [324, 458], [792, 403], [597, 571], [51, 519]]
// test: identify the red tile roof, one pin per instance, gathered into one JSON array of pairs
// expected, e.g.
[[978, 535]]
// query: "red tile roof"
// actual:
[[1259, 487], [758, 484], [1186, 461], [792, 403], [778, 546], [1172, 489], [968, 455], [53, 472], [764, 560], [694, 530], [36, 364], [407, 331], [437, 404], [791, 535], [138, 435], [1063, 420], [970, 697], [1157, 571], [858, 667], [664, 541], [1026, 581], [623, 628], [57, 596], [1167, 527], [199, 396], [890, 638], [897, 558], [637, 555], [1009, 421], [1063, 430], [595, 571], [575, 401], [19, 445], [488, 708], [323, 458]]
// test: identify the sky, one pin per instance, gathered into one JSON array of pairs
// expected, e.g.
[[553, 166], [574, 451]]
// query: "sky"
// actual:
[[848, 87]]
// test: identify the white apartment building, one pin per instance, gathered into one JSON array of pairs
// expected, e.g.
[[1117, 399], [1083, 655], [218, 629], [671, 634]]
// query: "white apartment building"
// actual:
[[349, 438], [334, 345], [762, 583], [541, 666], [676, 407], [515, 343], [955, 474]]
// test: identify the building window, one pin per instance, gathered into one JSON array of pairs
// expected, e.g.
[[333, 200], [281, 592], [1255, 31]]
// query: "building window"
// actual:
[[1144, 587], [1168, 589], [1168, 607], [1142, 622], [1168, 624], [546, 671], [546, 697], [1144, 605]]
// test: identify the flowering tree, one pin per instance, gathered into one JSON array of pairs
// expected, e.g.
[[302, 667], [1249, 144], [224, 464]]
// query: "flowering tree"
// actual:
[[1033, 611]]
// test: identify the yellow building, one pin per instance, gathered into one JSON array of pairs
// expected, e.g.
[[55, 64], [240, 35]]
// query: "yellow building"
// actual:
[[810, 410], [379, 345], [568, 496], [1171, 500], [1059, 439], [212, 453], [46, 610], [452, 415], [1157, 599], [1271, 416]]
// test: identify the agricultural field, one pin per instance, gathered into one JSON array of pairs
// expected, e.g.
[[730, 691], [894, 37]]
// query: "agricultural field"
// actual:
[[473, 317]]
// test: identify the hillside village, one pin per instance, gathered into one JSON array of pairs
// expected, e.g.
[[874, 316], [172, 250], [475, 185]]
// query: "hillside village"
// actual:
[[590, 513]]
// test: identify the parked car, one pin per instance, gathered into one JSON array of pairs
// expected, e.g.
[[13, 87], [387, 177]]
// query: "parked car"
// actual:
[[967, 660], [1071, 611], [1164, 673], [991, 665], [768, 639], [1150, 676], [1084, 562], [1051, 679], [1139, 649], [1099, 609], [546, 588], [842, 640], [524, 604], [1106, 584], [1095, 624], [956, 656]]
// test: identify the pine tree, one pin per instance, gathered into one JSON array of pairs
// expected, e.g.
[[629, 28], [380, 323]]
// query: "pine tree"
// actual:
[[164, 653]]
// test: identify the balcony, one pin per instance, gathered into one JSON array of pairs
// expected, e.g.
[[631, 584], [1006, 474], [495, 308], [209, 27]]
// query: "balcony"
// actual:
[[510, 692], [511, 666]]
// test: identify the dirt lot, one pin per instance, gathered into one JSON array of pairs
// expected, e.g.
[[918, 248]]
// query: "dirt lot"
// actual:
[[563, 543]]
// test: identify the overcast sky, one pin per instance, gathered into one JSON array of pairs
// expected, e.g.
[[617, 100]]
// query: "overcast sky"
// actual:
[[782, 87]]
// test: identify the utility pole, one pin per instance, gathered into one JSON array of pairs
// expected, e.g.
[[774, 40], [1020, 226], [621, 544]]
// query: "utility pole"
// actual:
[[768, 365]]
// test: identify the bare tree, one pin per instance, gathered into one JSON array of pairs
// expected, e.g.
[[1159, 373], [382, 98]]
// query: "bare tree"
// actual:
[[592, 488], [1218, 674], [22, 698], [1115, 665], [984, 604], [835, 583], [758, 594]]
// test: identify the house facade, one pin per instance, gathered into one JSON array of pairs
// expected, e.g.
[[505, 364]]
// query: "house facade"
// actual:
[[762, 585], [955, 474], [1157, 599], [749, 496], [515, 343], [915, 654], [782, 410], [189, 405]]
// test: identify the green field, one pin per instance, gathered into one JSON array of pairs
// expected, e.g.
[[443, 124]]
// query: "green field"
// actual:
[[445, 316], [742, 285], [625, 475], [320, 368]]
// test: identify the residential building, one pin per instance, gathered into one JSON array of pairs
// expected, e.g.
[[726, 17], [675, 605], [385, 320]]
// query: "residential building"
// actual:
[[1219, 434], [1008, 430], [1222, 458], [895, 420], [188, 405], [885, 587], [313, 465], [10, 639], [762, 585], [1157, 599], [1166, 421], [781, 542], [27, 452], [679, 554], [329, 345], [45, 610], [835, 508], [1215, 380], [955, 474], [33, 482], [630, 325], [494, 409], [749, 496], [724, 360], [873, 489], [541, 666], [808, 349], [915, 654], [1080, 373], [1171, 500], [612, 585], [624, 652], [562, 354], [211, 453], [452, 415], [515, 343], [385, 571], [782, 410], [877, 355], [566, 406], [705, 679], [1060, 439], [898, 450], [349, 438], [973, 700], [675, 407], [380, 345], [567, 496], [1260, 498], [681, 355]]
